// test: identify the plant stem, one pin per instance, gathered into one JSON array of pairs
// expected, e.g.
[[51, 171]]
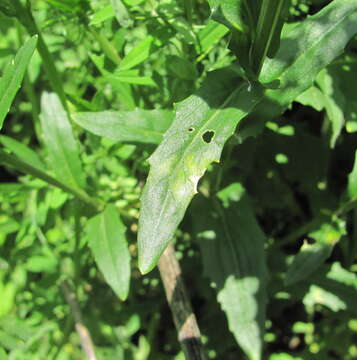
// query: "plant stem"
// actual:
[[18, 164], [185, 321], [84, 335], [24, 15]]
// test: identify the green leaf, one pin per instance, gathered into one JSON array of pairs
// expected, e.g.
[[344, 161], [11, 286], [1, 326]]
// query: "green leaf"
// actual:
[[121, 13], [305, 50], [352, 181], [107, 240], [23, 166], [12, 77], [232, 247], [60, 142], [210, 35], [267, 35], [182, 157], [130, 77], [144, 126], [240, 15], [138, 54], [336, 289], [22, 152], [312, 97], [312, 256], [334, 104], [203, 124]]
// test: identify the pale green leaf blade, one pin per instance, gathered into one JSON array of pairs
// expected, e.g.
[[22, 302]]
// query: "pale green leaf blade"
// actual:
[[143, 126], [22, 152], [107, 240], [232, 247], [60, 142], [203, 124], [13, 74], [121, 13]]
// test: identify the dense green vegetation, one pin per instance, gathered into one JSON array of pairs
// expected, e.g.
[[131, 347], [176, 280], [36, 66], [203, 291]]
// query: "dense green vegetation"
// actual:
[[228, 127]]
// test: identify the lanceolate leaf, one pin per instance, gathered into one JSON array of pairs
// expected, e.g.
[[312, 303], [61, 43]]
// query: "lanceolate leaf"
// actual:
[[267, 36], [12, 77], [232, 247], [182, 157], [143, 126], [306, 49], [108, 243], [61, 145], [22, 152], [203, 124]]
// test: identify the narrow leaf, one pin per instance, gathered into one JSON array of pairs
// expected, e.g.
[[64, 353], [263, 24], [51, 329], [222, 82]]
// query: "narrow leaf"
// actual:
[[352, 181], [267, 35], [138, 54], [22, 152], [107, 240], [232, 246], [12, 77], [144, 126], [61, 145], [203, 124]]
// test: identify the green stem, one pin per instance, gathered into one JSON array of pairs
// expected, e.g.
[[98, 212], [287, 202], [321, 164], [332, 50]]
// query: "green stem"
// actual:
[[25, 17], [13, 161]]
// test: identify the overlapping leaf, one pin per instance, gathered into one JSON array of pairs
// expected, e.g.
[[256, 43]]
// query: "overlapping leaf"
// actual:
[[202, 125], [144, 126], [183, 156], [232, 246]]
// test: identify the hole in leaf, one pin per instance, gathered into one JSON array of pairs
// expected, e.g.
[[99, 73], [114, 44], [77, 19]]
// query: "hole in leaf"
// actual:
[[208, 136], [191, 129]]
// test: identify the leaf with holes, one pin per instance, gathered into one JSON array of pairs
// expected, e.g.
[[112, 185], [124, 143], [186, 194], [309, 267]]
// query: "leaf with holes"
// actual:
[[203, 124]]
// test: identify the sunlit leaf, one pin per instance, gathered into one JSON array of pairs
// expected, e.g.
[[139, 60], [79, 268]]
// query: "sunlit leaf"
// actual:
[[106, 234]]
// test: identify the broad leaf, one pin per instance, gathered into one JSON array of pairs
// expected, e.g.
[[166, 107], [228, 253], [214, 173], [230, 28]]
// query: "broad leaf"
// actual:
[[143, 126], [107, 240], [22, 152], [232, 246], [60, 142], [305, 50], [183, 156], [12, 77], [203, 124]]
